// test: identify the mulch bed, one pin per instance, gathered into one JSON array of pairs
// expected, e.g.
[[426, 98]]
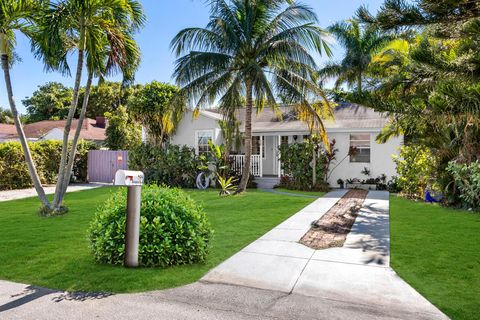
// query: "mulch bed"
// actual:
[[332, 228]]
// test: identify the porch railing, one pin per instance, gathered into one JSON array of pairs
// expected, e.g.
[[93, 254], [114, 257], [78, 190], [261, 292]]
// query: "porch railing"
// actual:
[[255, 166]]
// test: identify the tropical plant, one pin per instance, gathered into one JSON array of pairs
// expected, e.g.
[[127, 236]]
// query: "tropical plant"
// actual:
[[159, 107], [416, 170], [19, 16], [296, 160], [360, 44], [215, 161], [227, 185], [467, 180], [101, 32], [250, 52], [50, 101], [174, 230], [173, 165], [122, 133]]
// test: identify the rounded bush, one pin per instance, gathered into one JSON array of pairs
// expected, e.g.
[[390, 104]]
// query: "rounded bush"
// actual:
[[173, 229]]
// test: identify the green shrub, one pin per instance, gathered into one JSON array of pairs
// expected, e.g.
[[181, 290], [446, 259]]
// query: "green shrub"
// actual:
[[416, 170], [46, 155], [175, 166], [173, 229], [296, 162], [467, 180]]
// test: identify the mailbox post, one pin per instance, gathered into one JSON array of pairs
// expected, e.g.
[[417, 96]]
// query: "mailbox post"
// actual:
[[134, 181]]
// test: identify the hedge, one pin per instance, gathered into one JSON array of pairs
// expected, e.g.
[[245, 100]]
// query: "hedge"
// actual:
[[46, 155]]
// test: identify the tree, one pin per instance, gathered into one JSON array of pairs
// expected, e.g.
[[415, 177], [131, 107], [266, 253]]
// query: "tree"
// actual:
[[360, 44], [50, 101], [6, 116], [123, 133], [159, 107], [430, 87], [18, 16], [396, 14], [254, 50], [107, 97], [100, 31]]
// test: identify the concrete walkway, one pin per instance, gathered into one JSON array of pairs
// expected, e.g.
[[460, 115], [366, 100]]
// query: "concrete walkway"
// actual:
[[8, 195], [357, 273]]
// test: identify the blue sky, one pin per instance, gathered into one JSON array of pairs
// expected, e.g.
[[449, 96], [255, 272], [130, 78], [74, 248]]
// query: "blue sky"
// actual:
[[165, 19]]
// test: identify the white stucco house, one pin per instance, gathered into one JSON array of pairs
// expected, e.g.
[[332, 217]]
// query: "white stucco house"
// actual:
[[354, 126]]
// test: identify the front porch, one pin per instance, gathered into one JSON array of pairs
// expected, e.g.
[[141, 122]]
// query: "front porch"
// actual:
[[265, 160]]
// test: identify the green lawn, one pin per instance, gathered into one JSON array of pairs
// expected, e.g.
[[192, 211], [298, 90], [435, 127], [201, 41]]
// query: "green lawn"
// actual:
[[307, 193], [54, 253], [436, 250]]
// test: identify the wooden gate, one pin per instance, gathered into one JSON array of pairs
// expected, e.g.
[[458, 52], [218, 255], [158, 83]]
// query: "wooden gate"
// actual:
[[102, 164]]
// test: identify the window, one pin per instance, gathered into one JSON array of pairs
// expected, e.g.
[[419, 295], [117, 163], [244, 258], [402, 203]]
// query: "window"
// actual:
[[361, 144], [256, 145], [284, 141], [203, 137]]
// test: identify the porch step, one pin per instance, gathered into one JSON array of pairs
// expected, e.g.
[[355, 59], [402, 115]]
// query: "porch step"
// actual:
[[266, 182]]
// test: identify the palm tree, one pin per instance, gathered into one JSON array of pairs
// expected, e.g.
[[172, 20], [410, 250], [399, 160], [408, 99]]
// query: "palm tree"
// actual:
[[18, 16], [252, 51], [360, 44], [100, 30]]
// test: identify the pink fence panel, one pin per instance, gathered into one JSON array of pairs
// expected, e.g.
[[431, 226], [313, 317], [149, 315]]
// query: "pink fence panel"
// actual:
[[102, 164]]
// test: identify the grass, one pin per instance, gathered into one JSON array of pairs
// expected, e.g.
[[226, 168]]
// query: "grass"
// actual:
[[54, 252], [307, 193], [436, 250]]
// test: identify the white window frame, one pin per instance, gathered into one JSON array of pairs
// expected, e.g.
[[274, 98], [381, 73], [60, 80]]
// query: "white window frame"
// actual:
[[197, 133], [361, 148]]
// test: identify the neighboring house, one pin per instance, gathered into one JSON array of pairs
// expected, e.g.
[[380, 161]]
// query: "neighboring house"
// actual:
[[92, 130], [7, 132], [354, 126]]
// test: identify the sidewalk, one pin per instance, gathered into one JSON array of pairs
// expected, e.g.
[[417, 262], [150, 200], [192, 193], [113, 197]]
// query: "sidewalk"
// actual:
[[8, 195], [357, 273]]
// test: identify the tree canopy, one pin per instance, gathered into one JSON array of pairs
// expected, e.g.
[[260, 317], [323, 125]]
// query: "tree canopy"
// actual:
[[159, 107], [50, 101]]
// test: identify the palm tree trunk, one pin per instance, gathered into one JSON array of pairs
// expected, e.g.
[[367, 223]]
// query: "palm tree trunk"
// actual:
[[73, 150], [314, 167], [68, 125], [359, 83], [248, 139], [21, 134]]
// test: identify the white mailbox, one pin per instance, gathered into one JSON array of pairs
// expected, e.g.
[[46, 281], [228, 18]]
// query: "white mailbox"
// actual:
[[128, 178]]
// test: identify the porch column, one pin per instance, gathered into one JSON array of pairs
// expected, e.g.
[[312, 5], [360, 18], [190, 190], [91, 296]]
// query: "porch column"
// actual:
[[279, 165], [261, 156]]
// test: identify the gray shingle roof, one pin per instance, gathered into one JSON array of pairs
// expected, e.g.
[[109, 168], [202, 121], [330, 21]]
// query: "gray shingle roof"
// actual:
[[347, 116]]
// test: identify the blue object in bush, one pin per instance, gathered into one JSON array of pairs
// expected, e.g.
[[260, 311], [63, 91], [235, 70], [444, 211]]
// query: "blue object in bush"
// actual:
[[431, 198]]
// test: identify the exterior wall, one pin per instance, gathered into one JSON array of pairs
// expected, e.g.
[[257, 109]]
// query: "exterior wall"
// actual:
[[188, 127], [380, 157]]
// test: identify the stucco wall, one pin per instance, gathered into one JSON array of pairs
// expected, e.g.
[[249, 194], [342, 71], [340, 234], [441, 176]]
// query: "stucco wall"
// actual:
[[380, 158], [186, 129]]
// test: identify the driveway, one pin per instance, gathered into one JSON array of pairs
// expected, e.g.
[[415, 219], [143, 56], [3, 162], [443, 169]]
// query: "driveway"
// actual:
[[8, 195], [272, 278]]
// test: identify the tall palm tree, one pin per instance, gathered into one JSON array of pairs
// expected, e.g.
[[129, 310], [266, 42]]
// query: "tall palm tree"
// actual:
[[360, 44], [251, 51], [100, 30], [18, 16]]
